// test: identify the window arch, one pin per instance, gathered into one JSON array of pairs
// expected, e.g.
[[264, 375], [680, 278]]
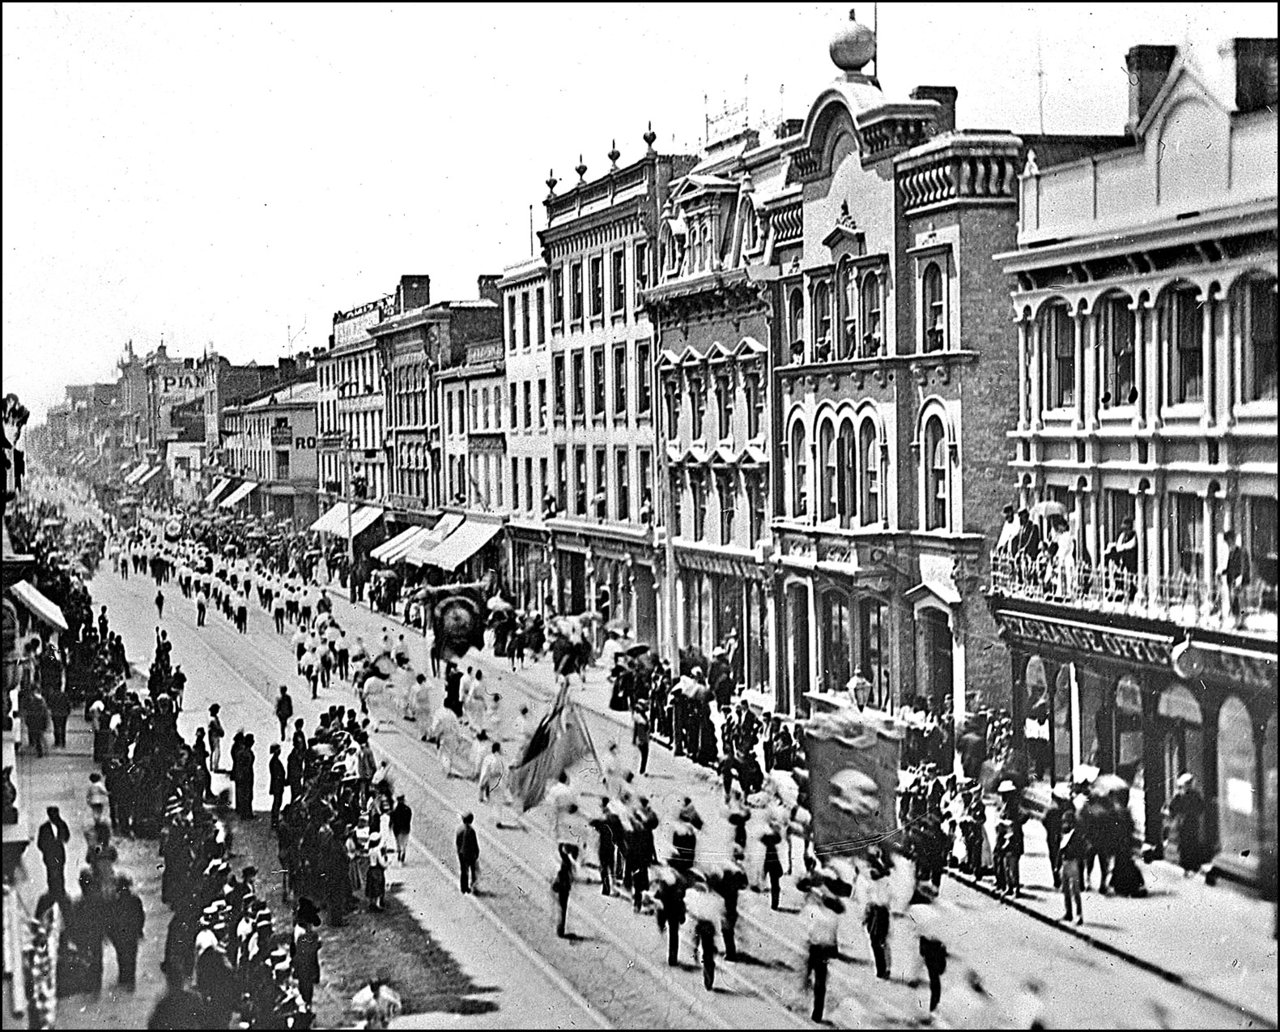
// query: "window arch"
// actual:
[[799, 472], [1058, 354], [848, 286], [933, 308], [795, 324], [1181, 335], [1254, 312], [870, 311], [1114, 324], [846, 478], [869, 452], [822, 320], [827, 471], [937, 475], [750, 227]]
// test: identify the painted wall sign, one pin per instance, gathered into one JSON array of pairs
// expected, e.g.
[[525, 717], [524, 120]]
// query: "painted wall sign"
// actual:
[[1090, 640]]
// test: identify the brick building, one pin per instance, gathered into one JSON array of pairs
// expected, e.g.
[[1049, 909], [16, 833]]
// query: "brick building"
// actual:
[[271, 446]]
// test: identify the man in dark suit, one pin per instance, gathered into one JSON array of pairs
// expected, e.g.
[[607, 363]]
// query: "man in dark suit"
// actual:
[[52, 840], [468, 847], [1026, 546], [278, 779]]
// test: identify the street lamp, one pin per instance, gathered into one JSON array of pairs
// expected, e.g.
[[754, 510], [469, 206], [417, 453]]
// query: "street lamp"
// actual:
[[860, 688]]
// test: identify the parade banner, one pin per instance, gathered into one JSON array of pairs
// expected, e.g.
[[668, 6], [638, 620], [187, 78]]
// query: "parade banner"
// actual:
[[558, 742], [853, 779]]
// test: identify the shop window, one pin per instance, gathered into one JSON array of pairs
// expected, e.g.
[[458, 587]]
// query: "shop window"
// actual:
[[1181, 325], [837, 641], [1260, 544], [1188, 535], [1115, 343], [1256, 316], [822, 322], [873, 656], [799, 472], [1058, 351], [1237, 805], [933, 308]]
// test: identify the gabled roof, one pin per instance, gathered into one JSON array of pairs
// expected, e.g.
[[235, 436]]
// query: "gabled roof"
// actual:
[[750, 346]]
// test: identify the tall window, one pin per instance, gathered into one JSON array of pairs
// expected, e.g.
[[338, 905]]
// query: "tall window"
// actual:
[[542, 398], [475, 409], [727, 499], [525, 338], [497, 408], [827, 471], [642, 269], [933, 309], [557, 297], [622, 477], [724, 407], [644, 383], [597, 285], [601, 497], [672, 399], [873, 654], [848, 346], [515, 483], [799, 472], [872, 332], [795, 324], [597, 382], [540, 313], [619, 281], [1188, 535], [484, 406], [511, 321], [575, 292], [837, 645], [937, 469], [751, 388], [846, 474], [1260, 544], [756, 499], [528, 405], [620, 379], [1115, 342], [562, 477], [579, 385], [870, 453], [822, 321], [1256, 316], [677, 489], [644, 458], [697, 405], [699, 491], [557, 379], [580, 480], [1058, 348], [1181, 323]]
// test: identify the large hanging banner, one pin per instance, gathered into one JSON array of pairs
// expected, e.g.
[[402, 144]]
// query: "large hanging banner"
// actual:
[[853, 779]]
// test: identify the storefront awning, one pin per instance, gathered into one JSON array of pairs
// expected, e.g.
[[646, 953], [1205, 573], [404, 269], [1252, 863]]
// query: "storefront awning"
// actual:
[[238, 495], [462, 544], [222, 484], [150, 475], [389, 551], [335, 520], [39, 606], [419, 552], [137, 472], [327, 523]]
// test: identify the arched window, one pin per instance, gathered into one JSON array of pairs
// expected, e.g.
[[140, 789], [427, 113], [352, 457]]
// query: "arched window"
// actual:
[[1058, 354], [750, 230], [848, 286], [822, 321], [1115, 342], [1181, 321], [799, 472], [870, 452], [795, 324], [937, 476], [827, 460], [872, 334], [837, 641], [846, 477], [933, 308], [1255, 314], [706, 246]]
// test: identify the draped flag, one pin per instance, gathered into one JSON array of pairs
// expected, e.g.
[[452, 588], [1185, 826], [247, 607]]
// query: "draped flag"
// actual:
[[853, 780], [558, 742]]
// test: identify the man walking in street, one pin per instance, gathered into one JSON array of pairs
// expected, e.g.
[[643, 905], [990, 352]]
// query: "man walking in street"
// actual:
[[401, 820], [51, 840], [279, 778], [59, 710], [468, 847], [284, 710], [125, 930], [216, 735], [823, 931]]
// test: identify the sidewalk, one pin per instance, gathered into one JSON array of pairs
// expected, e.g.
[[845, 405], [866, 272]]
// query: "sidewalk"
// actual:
[[1217, 941]]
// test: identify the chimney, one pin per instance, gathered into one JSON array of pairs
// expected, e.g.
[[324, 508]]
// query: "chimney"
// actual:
[[487, 287], [790, 127], [946, 97], [1148, 65], [414, 291], [1255, 72]]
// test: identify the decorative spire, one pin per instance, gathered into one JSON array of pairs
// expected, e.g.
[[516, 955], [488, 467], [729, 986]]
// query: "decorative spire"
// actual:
[[614, 155], [649, 137], [551, 182], [581, 170]]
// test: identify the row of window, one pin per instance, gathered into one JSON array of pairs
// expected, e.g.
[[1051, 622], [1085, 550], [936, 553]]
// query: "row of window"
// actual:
[[570, 392], [262, 464], [725, 484], [358, 374], [726, 398], [365, 429], [596, 505], [1179, 334], [532, 324], [593, 291], [413, 400]]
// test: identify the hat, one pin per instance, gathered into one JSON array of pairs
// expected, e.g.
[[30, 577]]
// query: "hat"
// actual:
[[1061, 791], [1007, 510], [1024, 511], [1185, 778], [1006, 786]]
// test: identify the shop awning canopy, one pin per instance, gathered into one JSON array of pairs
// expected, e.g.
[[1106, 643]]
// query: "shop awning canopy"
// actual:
[[137, 472], [238, 495], [222, 484], [462, 544], [335, 520], [149, 475], [419, 551], [39, 606], [392, 550]]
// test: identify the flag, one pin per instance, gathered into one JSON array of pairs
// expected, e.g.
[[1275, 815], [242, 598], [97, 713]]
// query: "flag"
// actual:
[[558, 742]]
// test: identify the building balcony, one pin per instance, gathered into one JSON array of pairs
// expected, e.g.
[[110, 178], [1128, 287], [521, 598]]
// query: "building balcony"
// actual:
[[1185, 601]]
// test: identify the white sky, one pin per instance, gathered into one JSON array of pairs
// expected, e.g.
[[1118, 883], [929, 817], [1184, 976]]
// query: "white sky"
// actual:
[[220, 173]]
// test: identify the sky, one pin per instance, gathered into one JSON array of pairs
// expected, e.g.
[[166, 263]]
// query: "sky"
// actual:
[[229, 176]]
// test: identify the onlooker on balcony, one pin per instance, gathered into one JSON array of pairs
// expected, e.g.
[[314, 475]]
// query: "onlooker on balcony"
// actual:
[[1122, 562], [1062, 547], [1234, 573], [1026, 546], [1008, 532]]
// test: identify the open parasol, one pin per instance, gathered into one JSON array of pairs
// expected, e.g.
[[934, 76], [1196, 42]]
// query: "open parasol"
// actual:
[[1106, 784], [498, 604], [637, 650], [1042, 510]]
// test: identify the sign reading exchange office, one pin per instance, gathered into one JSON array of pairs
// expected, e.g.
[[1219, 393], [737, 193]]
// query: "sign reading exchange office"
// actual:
[[1131, 648]]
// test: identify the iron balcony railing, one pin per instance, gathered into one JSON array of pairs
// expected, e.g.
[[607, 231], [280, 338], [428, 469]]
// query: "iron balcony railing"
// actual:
[[1182, 599]]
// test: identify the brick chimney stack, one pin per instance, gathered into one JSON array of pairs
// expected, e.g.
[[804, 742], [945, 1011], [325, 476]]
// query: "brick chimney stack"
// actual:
[[1148, 65]]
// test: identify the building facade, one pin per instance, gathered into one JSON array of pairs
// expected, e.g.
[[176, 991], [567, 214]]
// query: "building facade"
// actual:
[[1145, 298], [525, 335], [271, 444], [598, 247]]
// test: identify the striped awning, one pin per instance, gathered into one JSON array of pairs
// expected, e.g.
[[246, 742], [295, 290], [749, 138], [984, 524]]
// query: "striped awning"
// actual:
[[137, 472], [335, 521], [420, 550], [39, 606], [462, 544], [238, 495], [393, 550], [150, 475], [222, 484]]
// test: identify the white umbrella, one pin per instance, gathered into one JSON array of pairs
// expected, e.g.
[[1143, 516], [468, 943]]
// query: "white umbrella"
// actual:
[[1048, 508]]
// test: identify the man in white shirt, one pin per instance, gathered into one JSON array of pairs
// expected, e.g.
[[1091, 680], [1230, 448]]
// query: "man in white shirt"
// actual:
[[823, 931]]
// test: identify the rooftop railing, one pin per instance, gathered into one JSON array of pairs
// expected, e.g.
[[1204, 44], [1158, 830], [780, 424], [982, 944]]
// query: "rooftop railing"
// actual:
[[1182, 599]]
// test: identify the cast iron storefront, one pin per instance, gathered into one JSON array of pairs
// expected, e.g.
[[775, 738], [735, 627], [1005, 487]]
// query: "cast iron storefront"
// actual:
[[1149, 701], [592, 570]]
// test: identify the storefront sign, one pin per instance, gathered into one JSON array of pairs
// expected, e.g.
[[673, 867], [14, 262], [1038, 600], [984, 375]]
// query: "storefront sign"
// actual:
[[1207, 662], [1090, 640]]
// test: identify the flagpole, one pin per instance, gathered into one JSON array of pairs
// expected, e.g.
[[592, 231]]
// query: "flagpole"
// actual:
[[590, 742]]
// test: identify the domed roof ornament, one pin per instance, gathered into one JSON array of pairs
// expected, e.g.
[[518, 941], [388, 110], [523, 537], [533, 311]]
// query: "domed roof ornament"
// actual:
[[551, 182], [853, 47], [581, 170], [613, 156], [649, 137]]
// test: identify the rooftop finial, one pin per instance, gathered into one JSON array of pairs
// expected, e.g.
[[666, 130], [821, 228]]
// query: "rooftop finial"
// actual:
[[649, 137], [853, 46], [551, 182], [581, 170], [614, 155]]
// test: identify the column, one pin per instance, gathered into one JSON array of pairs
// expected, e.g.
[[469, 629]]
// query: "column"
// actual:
[[1208, 339], [1018, 664], [1152, 761], [1079, 333], [1152, 387], [772, 671], [1024, 343], [1093, 535], [1089, 393], [1074, 683], [1037, 376], [1209, 572], [681, 608], [1157, 546], [815, 673], [958, 712]]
